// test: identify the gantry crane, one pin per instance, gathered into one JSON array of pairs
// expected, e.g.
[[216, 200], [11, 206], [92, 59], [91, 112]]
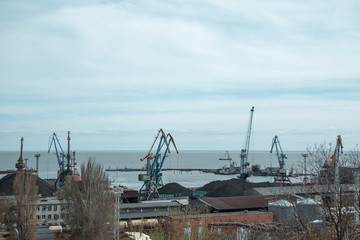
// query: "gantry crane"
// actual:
[[244, 171], [154, 163], [281, 175], [64, 168]]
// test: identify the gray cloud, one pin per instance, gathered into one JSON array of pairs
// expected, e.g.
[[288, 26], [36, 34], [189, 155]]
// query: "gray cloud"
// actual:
[[116, 67]]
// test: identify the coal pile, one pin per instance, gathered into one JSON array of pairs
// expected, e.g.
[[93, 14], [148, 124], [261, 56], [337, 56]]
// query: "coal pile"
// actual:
[[7, 182], [174, 188], [231, 188]]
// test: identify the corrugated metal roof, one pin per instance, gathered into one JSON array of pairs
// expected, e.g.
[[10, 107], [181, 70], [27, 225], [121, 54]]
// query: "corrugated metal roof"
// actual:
[[139, 215], [236, 203], [149, 205], [219, 214]]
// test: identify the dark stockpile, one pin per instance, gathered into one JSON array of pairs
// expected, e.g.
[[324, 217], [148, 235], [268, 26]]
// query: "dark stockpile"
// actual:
[[231, 188], [7, 182], [174, 188], [227, 188]]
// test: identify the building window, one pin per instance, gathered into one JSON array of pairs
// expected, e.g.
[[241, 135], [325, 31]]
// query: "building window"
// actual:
[[49, 217], [49, 208], [38, 208], [44, 208], [38, 217], [55, 208], [56, 216], [43, 217], [187, 231]]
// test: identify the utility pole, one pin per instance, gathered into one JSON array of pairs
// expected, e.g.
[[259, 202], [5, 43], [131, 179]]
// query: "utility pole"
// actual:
[[37, 155], [68, 154], [117, 191], [26, 165], [305, 155]]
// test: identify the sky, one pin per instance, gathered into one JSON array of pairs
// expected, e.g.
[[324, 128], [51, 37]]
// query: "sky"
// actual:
[[114, 72]]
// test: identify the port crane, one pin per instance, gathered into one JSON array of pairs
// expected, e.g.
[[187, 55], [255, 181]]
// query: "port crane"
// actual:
[[65, 168], [244, 171], [154, 162], [281, 173], [335, 159], [338, 149]]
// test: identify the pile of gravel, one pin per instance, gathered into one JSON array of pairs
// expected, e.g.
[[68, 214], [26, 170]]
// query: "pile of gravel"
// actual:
[[7, 182], [174, 188]]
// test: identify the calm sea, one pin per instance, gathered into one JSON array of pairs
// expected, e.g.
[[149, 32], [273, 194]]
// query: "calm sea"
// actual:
[[131, 159]]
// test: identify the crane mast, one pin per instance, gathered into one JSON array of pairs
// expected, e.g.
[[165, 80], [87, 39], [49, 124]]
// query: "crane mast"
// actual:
[[244, 171], [20, 164], [281, 173]]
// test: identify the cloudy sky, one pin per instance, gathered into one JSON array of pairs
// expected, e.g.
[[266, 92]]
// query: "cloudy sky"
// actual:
[[114, 72]]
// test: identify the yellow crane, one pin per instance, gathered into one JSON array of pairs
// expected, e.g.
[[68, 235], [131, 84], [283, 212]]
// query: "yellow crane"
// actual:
[[338, 149]]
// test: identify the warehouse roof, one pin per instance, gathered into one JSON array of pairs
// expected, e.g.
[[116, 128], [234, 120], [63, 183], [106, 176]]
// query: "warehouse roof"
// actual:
[[235, 203]]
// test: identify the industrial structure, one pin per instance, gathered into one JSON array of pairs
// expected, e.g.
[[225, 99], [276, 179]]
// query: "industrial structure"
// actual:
[[154, 162], [65, 167], [332, 169], [281, 175], [232, 169], [20, 164], [244, 171]]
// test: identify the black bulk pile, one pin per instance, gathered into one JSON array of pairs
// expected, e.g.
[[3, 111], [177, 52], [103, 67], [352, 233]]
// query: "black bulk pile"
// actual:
[[7, 182], [231, 188], [174, 188], [227, 188]]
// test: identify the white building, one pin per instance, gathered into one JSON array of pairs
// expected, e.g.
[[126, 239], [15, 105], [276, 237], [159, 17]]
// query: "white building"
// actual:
[[49, 211]]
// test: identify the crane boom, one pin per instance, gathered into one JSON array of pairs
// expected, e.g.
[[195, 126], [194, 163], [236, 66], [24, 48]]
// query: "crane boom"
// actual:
[[244, 172], [53, 139], [279, 152], [338, 149], [281, 175], [60, 156], [149, 153]]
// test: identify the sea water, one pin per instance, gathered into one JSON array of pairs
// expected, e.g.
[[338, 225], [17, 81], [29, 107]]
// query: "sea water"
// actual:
[[48, 165]]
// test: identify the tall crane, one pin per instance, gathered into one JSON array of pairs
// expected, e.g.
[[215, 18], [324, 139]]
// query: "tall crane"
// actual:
[[338, 149], [335, 159], [64, 168], [154, 163], [20, 164], [281, 173], [244, 171]]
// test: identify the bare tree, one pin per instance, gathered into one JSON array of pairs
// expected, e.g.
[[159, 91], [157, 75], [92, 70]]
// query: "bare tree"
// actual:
[[337, 188], [26, 197], [89, 204], [336, 193]]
